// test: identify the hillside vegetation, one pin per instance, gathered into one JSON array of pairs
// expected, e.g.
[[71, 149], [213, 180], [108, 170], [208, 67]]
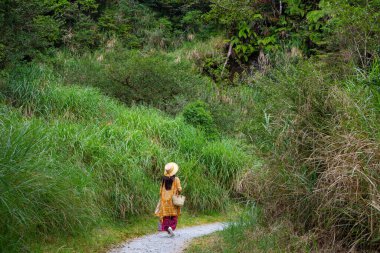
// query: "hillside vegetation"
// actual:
[[274, 105], [71, 156]]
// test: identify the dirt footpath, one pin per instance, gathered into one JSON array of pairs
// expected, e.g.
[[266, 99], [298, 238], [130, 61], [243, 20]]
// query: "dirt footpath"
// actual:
[[162, 243]]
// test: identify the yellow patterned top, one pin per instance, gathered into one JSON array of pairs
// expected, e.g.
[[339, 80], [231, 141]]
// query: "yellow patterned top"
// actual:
[[166, 206]]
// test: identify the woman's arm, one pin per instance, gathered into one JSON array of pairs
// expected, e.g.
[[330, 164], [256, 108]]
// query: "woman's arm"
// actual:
[[179, 188]]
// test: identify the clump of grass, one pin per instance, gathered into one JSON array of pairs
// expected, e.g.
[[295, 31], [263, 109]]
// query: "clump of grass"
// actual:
[[252, 233], [39, 193], [36, 90], [224, 164]]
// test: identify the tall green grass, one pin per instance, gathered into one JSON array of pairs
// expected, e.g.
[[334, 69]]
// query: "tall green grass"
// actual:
[[71, 156], [319, 137], [252, 232], [40, 193], [134, 77]]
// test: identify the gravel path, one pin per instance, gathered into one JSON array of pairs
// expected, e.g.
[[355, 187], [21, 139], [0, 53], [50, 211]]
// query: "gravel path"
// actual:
[[159, 242]]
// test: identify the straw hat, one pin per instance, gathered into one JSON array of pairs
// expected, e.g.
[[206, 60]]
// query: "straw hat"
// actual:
[[171, 169]]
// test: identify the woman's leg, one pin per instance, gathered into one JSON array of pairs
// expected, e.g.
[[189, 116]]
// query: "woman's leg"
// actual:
[[169, 221], [166, 223], [173, 222]]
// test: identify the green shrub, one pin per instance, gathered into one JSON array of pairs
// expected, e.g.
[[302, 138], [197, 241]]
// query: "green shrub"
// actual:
[[353, 29], [192, 20], [198, 115], [134, 78]]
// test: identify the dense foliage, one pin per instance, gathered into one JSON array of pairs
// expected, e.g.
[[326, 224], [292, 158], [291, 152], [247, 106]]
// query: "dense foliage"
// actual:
[[323, 141], [32, 28], [134, 77], [96, 95]]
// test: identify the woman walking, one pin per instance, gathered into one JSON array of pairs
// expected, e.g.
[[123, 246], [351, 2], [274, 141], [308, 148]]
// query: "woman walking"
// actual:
[[166, 210]]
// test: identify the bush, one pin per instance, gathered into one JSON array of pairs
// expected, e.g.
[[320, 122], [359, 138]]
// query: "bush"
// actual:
[[25, 30], [198, 115], [353, 29], [134, 78]]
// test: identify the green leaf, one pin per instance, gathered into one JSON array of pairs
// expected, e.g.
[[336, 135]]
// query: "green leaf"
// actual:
[[257, 16], [315, 16]]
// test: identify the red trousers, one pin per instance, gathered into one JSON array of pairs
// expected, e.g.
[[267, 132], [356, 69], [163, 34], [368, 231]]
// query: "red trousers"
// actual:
[[169, 221]]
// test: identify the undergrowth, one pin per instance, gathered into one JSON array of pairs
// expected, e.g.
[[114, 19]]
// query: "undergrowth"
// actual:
[[134, 77], [71, 156], [251, 232], [319, 140], [316, 132]]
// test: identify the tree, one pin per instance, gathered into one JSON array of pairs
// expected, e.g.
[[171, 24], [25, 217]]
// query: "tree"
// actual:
[[27, 29], [354, 28]]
